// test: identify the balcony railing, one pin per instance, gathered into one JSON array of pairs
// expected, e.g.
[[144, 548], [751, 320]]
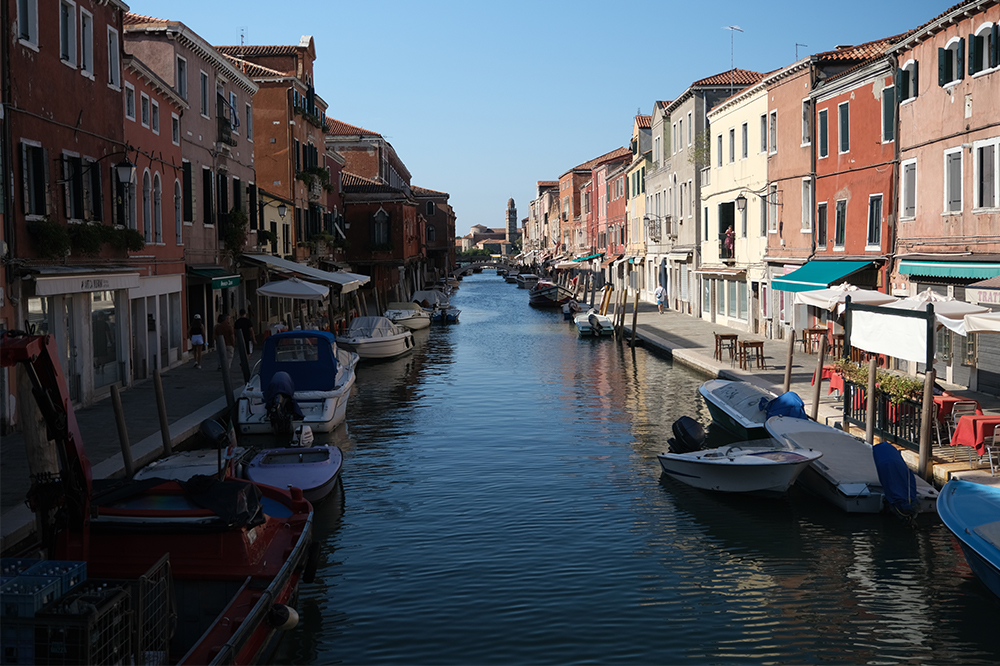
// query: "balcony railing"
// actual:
[[899, 423], [225, 131]]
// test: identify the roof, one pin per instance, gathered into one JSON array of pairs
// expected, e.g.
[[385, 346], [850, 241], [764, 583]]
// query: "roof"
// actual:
[[736, 76], [617, 153], [866, 51], [644, 122], [548, 183], [250, 51], [253, 70], [131, 18], [424, 192], [939, 22], [340, 128], [360, 184]]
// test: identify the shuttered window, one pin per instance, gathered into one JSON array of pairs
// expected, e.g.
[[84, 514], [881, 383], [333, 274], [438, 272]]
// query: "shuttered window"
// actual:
[[874, 220], [208, 212], [35, 179], [986, 181], [888, 114], [188, 193], [844, 126], [909, 189], [823, 133], [953, 181]]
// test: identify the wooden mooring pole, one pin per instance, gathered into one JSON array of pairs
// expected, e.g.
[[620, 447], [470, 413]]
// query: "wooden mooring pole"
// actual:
[[788, 360], [116, 403], [926, 414], [161, 410], [819, 379], [870, 402], [635, 316]]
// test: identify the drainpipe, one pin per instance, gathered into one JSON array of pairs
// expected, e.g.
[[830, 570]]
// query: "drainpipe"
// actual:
[[8, 173], [893, 226]]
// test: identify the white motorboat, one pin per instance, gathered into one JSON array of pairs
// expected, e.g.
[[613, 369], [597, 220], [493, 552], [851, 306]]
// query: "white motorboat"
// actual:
[[438, 305], [847, 476], [376, 337], [594, 324], [303, 378], [408, 315], [739, 407], [762, 466], [526, 280]]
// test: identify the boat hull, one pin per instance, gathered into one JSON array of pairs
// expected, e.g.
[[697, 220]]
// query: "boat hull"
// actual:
[[378, 348], [549, 296], [763, 471], [412, 322], [971, 512], [322, 415], [586, 330], [734, 407], [315, 470]]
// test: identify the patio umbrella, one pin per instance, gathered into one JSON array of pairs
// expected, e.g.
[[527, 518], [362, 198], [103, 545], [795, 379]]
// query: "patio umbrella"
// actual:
[[833, 298], [948, 312], [294, 288], [986, 322]]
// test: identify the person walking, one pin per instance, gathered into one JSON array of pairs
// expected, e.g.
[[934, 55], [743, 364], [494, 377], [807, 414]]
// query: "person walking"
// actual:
[[197, 335], [245, 326], [660, 294], [228, 333]]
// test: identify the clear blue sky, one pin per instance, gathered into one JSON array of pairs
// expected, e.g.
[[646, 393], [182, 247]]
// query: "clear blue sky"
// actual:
[[481, 100]]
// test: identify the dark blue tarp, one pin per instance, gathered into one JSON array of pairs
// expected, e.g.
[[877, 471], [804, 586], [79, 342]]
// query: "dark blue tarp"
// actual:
[[898, 483], [307, 356], [281, 384], [786, 404]]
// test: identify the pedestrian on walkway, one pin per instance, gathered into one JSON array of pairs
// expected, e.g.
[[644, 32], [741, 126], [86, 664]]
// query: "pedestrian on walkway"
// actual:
[[245, 326], [228, 333], [660, 294], [197, 335]]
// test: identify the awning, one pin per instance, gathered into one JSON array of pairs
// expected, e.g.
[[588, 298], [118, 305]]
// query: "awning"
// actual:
[[55, 280], [562, 265], [218, 276], [610, 260], [345, 281], [590, 256], [817, 275], [723, 272], [679, 255], [951, 269], [636, 260]]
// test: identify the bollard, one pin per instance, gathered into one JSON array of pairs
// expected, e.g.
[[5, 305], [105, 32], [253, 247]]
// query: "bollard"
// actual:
[[926, 414], [790, 358], [227, 385], [116, 403], [870, 403], [635, 316], [819, 378], [161, 410], [241, 347]]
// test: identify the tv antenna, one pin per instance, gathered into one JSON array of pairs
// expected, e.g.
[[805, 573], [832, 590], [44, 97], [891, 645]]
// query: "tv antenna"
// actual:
[[797, 45]]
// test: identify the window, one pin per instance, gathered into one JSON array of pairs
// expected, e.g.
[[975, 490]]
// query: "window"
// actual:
[[746, 140], [888, 115], [840, 224], [249, 116], [154, 116], [92, 193], [951, 61], [953, 181], [874, 221], [181, 84], [807, 205], [986, 169], [732, 145], [144, 108], [906, 81], [380, 229], [234, 115], [718, 150], [763, 216], [157, 211], [175, 129], [741, 288], [204, 94], [114, 60], [720, 297], [773, 127], [27, 21], [690, 129], [178, 207], [208, 212], [147, 208], [821, 225], [129, 101], [823, 135], [188, 192], [431, 234], [87, 43], [67, 32], [983, 49], [706, 295], [72, 177], [680, 130], [908, 206], [763, 134], [743, 223], [844, 126], [731, 297], [806, 122]]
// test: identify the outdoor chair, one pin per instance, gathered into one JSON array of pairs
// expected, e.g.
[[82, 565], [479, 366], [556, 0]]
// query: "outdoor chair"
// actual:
[[960, 409], [993, 444]]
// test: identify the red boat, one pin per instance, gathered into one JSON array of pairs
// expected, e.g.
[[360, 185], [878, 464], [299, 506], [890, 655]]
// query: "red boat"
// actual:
[[235, 551], [548, 294]]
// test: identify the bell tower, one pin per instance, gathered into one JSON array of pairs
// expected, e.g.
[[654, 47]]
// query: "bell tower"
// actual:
[[511, 221]]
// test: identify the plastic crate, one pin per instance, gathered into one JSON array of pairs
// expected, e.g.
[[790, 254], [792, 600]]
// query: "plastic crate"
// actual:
[[24, 595], [17, 641], [13, 566], [87, 626], [69, 573]]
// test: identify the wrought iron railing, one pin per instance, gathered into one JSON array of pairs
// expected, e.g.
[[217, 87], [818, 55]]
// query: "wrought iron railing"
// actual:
[[896, 423]]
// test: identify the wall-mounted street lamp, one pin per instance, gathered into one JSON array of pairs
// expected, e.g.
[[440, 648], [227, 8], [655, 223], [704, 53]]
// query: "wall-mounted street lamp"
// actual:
[[282, 209], [126, 171], [741, 202]]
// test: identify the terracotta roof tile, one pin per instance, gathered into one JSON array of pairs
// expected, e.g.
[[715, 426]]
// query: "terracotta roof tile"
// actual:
[[138, 19], [644, 122], [253, 70], [866, 51], [425, 192], [617, 153], [548, 183], [252, 50], [737, 76], [340, 128], [361, 185]]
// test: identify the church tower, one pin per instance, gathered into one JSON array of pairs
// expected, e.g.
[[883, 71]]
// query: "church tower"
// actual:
[[511, 221]]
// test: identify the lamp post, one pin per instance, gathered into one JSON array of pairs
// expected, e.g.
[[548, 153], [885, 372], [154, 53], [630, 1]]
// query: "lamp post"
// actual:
[[126, 175], [282, 209], [741, 202]]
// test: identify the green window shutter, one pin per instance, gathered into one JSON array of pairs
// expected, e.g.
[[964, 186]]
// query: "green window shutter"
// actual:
[[995, 45], [975, 45], [942, 66], [898, 80], [188, 193], [913, 79], [960, 64]]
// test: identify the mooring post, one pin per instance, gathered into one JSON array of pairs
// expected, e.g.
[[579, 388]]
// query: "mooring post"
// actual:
[[870, 402], [227, 385], [788, 359], [635, 316], [161, 410], [926, 414], [116, 403], [819, 378]]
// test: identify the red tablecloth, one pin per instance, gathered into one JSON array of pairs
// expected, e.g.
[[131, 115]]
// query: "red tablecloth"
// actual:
[[972, 430], [947, 401], [836, 379]]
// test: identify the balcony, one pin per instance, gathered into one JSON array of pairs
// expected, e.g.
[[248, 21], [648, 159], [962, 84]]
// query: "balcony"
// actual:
[[225, 131]]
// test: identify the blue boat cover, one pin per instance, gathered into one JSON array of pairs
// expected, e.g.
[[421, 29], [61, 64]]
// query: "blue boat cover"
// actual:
[[281, 384], [897, 480], [786, 404], [307, 356]]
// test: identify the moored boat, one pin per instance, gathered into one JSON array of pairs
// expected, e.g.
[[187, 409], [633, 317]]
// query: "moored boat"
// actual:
[[739, 407], [314, 469], [408, 315], [546, 294], [593, 324], [526, 280], [376, 337], [971, 511]]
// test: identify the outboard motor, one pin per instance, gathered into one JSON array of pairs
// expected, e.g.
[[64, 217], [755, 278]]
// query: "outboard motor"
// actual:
[[688, 436], [281, 406], [595, 325]]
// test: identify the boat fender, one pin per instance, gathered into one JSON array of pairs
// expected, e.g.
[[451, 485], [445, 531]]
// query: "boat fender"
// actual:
[[312, 562], [283, 617]]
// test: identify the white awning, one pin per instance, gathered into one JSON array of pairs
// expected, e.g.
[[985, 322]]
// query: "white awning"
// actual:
[[55, 280], [347, 282]]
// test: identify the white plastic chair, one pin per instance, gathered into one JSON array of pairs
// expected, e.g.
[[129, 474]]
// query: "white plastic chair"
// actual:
[[991, 444], [960, 409]]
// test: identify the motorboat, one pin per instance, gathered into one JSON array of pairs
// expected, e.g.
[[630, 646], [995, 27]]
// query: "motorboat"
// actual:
[[302, 378], [438, 304], [547, 294], [526, 280], [594, 324], [739, 407], [847, 476], [448, 315], [376, 337], [216, 563], [510, 277], [411, 316], [571, 309], [972, 512], [314, 469]]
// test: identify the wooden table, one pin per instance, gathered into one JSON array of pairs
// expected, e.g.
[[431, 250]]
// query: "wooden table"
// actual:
[[810, 337], [973, 431], [748, 347], [725, 341], [836, 345]]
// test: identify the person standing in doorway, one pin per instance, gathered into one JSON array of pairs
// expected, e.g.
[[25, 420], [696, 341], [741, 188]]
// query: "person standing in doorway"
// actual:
[[660, 294], [197, 335], [228, 333], [245, 326]]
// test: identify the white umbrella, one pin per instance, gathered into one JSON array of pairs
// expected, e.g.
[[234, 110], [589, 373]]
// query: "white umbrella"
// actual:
[[294, 288], [947, 311], [833, 298], [987, 322]]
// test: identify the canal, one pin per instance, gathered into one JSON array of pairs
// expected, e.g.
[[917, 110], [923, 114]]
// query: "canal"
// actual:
[[502, 503]]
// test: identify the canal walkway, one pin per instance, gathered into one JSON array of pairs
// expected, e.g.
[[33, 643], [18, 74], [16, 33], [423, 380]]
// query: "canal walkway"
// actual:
[[192, 395]]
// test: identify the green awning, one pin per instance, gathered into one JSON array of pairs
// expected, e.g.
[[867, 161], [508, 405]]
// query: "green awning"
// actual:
[[220, 277], [592, 256], [817, 275], [953, 269]]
